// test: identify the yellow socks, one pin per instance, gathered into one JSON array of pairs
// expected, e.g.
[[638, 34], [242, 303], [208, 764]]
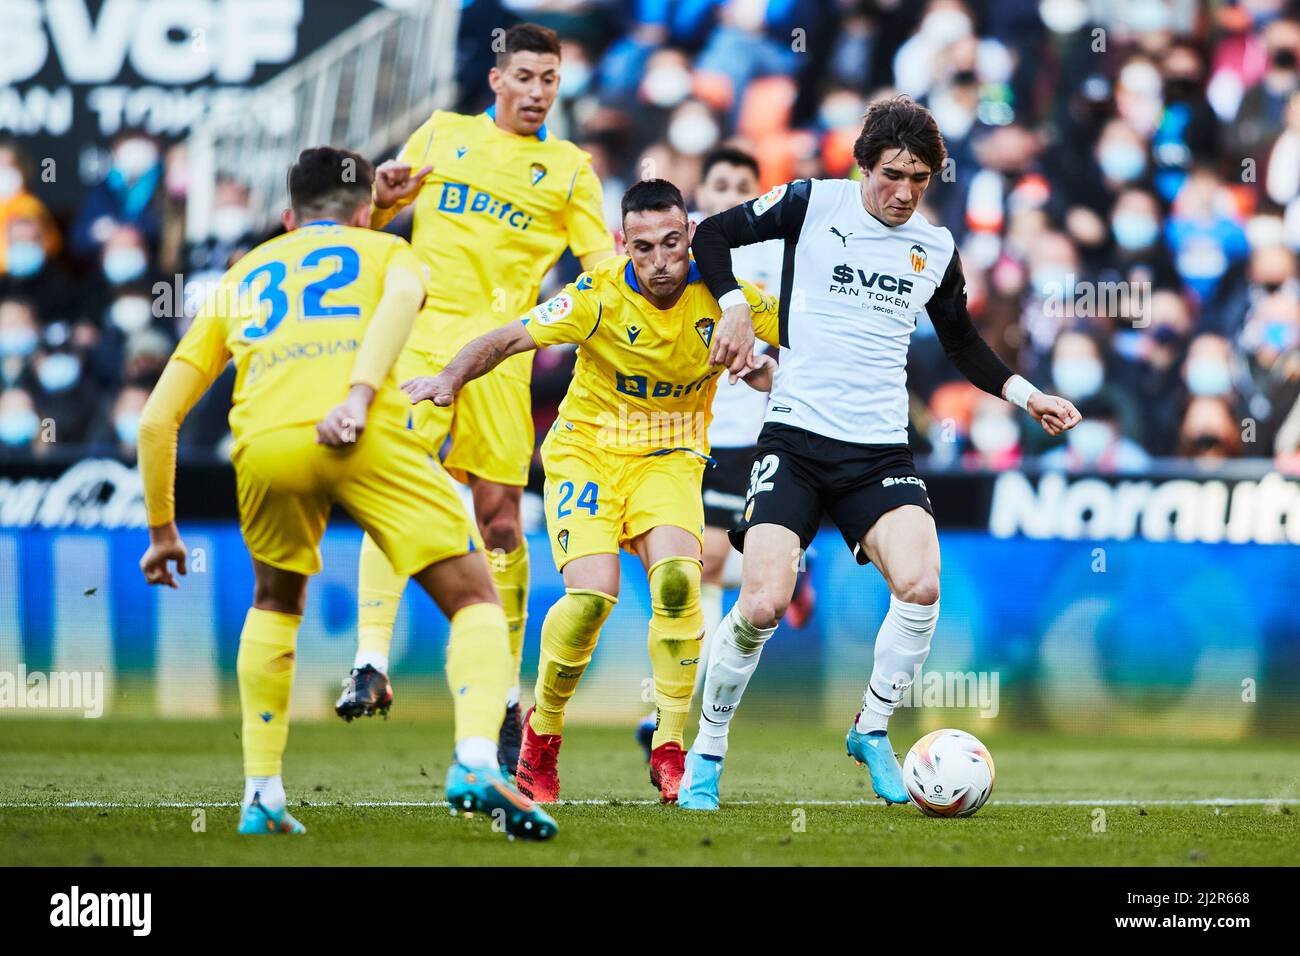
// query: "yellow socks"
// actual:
[[675, 631], [379, 594], [265, 669], [510, 575], [569, 636], [478, 672]]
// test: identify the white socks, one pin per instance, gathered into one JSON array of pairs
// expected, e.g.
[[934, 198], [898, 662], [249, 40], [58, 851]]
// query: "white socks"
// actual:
[[271, 790], [736, 647], [902, 645], [512, 696], [378, 661], [477, 753], [711, 604]]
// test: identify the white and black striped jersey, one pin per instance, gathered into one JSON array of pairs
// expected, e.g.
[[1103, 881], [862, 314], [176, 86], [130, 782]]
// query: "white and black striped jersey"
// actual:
[[851, 289]]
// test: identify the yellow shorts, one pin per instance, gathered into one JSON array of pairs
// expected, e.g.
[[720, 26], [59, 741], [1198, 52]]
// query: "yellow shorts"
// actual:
[[598, 501], [490, 423], [402, 498]]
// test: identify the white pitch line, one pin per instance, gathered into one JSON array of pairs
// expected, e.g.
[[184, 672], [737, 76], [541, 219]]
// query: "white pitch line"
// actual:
[[1106, 802]]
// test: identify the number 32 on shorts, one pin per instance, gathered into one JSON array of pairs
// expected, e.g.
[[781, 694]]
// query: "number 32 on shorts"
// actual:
[[587, 499], [760, 476]]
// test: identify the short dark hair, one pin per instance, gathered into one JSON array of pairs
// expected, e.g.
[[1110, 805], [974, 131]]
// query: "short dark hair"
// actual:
[[528, 38], [730, 156], [652, 194], [325, 179], [900, 123]]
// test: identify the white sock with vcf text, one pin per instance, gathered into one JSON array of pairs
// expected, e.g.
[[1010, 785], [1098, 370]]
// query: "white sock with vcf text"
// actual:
[[733, 658]]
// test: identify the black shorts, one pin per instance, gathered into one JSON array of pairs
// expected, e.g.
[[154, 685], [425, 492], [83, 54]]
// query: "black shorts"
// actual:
[[725, 484], [798, 476]]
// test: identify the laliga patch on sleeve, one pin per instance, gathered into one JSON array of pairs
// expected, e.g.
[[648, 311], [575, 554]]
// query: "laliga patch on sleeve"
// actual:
[[554, 309], [769, 199]]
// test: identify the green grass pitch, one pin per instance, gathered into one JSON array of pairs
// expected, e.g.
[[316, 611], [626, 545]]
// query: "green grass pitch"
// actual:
[[1058, 801]]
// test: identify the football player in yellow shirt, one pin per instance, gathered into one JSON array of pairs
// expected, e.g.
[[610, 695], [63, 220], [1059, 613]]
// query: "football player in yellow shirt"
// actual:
[[497, 199], [314, 321], [623, 463]]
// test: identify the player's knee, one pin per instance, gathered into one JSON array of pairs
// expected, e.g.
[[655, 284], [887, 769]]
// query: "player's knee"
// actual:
[[675, 587], [762, 608], [501, 531], [921, 587], [588, 610]]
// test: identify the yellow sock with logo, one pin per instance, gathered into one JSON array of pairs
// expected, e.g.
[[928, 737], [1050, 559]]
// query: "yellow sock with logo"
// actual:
[[379, 594], [478, 671], [510, 574], [264, 667], [676, 629], [569, 636]]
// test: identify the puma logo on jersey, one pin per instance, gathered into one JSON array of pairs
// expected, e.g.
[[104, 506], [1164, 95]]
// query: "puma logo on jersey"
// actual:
[[843, 238]]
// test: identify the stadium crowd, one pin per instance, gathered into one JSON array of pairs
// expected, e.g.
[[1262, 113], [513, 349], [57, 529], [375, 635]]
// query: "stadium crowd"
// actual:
[[1149, 148]]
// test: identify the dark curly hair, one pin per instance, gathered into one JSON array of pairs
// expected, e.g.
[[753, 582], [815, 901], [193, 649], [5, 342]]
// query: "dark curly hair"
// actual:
[[900, 123]]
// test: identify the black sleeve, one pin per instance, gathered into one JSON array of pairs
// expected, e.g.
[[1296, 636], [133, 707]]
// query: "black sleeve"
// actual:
[[716, 236], [961, 343]]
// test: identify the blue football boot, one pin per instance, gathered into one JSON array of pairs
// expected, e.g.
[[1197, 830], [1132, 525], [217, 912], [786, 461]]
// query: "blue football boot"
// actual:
[[875, 750], [256, 820], [699, 787], [488, 791]]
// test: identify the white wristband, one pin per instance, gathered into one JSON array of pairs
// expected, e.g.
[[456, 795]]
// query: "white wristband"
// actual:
[[734, 297], [1019, 389]]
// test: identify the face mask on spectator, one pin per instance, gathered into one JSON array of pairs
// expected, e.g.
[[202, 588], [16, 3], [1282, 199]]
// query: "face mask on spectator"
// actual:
[[1078, 377], [25, 259], [230, 223], [11, 181], [841, 112], [130, 314], [692, 135], [1280, 336], [575, 78], [666, 86], [134, 158], [1134, 230], [17, 342], [1208, 376], [1090, 442], [945, 26], [1051, 280], [18, 428], [1063, 16], [127, 426], [993, 434], [124, 265], [59, 372], [1122, 162]]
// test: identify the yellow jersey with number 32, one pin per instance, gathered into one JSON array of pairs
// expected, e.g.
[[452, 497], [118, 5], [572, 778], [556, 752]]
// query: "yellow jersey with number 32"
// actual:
[[291, 314], [491, 219], [642, 383]]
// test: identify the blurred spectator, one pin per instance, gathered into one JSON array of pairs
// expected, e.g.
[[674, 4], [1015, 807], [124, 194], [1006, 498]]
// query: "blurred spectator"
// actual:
[[994, 435], [120, 428], [1209, 430], [34, 275], [127, 196], [18, 203], [1203, 234], [63, 391], [19, 337], [19, 423]]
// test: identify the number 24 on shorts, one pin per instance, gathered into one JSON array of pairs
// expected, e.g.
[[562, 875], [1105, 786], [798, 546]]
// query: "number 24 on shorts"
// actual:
[[587, 498]]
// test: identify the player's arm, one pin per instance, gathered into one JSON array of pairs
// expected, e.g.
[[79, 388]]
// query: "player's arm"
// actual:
[[474, 360], [398, 181], [386, 335], [980, 364], [584, 219], [777, 214], [198, 360], [571, 316]]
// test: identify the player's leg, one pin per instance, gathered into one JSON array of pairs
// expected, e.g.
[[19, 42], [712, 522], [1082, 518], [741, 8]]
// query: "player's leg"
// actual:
[[283, 514], [904, 545], [671, 556], [497, 510], [492, 441], [379, 587]]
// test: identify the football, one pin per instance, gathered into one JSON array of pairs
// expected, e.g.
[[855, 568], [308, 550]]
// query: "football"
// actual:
[[948, 773]]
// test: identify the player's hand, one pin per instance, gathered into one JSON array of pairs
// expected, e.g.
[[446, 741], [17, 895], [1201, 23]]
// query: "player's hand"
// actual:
[[394, 181], [165, 546], [1054, 413], [343, 425], [733, 341], [760, 377], [439, 389]]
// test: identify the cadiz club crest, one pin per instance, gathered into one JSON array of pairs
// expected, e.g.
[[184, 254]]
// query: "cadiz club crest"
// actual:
[[563, 539], [918, 258], [705, 328], [537, 171]]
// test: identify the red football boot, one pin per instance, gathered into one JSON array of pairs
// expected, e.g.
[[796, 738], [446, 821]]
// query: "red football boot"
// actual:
[[538, 774], [667, 764]]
